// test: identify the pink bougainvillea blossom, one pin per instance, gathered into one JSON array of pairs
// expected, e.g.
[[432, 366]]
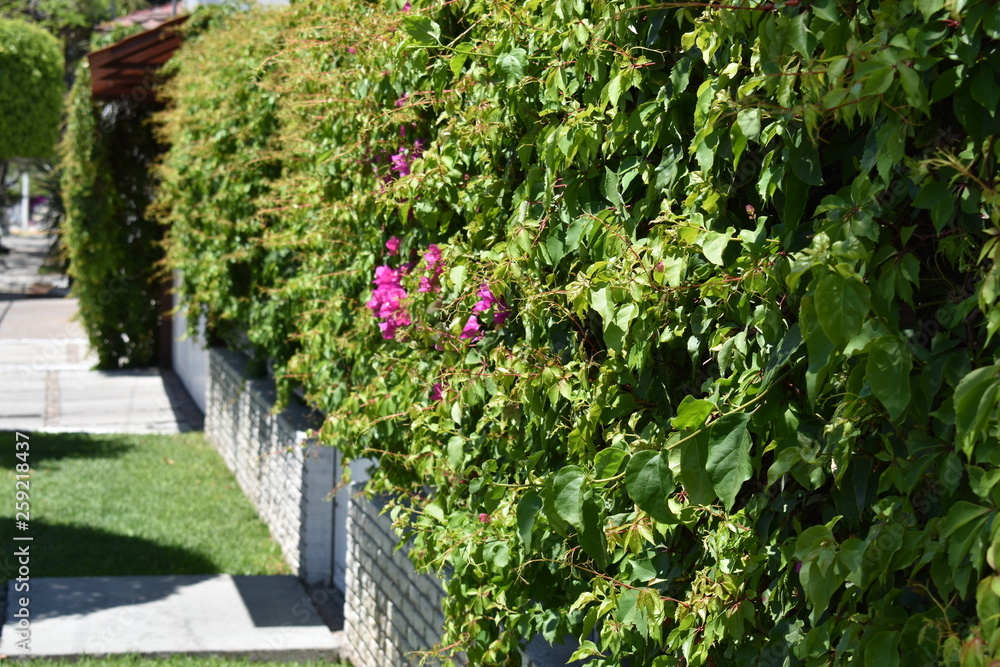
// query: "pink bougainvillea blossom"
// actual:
[[401, 162], [350, 49], [487, 301], [393, 245], [471, 328], [436, 392], [402, 100], [387, 301], [429, 283], [404, 157], [485, 518], [433, 255], [501, 314], [407, 6]]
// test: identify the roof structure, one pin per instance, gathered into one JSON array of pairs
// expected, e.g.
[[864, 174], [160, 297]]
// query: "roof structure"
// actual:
[[126, 68], [149, 18]]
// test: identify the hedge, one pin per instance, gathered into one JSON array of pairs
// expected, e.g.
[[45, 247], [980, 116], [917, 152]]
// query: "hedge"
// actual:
[[31, 89], [112, 244], [672, 325]]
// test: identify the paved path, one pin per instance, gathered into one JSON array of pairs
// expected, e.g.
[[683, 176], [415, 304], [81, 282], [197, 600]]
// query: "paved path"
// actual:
[[45, 379], [260, 617]]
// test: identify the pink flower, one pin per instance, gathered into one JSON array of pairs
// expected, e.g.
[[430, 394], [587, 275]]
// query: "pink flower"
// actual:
[[401, 162], [425, 285], [407, 6], [471, 328], [488, 300], [436, 390], [485, 518], [501, 314], [393, 245], [350, 49], [402, 100], [433, 255], [387, 301]]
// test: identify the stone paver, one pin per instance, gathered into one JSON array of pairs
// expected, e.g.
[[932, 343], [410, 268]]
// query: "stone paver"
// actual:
[[260, 617]]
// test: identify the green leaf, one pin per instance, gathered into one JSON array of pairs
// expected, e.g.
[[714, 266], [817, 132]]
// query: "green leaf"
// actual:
[[692, 413], [929, 8], [913, 87], [527, 509], [511, 66], [609, 188], [749, 122], [456, 451], [714, 244], [984, 88], [497, 555], [882, 650], [608, 462], [421, 29], [782, 354], [649, 482], [591, 529], [586, 649], [434, 510], [975, 403], [693, 474], [888, 371], [799, 36], [457, 62], [841, 306], [728, 460], [568, 498], [960, 514]]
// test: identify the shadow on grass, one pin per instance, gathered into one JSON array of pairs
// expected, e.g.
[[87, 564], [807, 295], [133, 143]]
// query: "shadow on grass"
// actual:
[[48, 448], [77, 551]]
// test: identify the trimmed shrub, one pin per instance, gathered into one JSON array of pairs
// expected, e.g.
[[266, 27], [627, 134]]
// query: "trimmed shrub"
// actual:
[[31, 90]]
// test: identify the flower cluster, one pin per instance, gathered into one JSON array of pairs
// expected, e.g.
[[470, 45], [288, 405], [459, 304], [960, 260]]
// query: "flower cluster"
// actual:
[[387, 301], [487, 301], [435, 267], [403, 158]]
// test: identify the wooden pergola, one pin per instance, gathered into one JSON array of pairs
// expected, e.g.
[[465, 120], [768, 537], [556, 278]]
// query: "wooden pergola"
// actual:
[[127, 68]]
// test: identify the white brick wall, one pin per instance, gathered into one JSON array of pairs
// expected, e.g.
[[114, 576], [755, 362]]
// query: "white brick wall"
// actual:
[[286, 478], [390, 611]]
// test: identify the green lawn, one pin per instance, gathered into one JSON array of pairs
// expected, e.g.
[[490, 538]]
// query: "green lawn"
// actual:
[[172, 661], [131, 505]]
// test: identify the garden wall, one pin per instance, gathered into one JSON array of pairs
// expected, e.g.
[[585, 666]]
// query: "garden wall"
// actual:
[[286, 478]]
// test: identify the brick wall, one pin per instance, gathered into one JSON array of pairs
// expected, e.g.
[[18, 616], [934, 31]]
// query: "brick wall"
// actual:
[[286, 478], [390, 611]]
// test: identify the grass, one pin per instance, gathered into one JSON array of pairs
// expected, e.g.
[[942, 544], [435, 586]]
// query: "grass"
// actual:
[[172, 661], [106, 505]]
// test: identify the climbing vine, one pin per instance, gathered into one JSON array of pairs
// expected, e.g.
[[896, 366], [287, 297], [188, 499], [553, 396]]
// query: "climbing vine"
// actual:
[[671, 325]]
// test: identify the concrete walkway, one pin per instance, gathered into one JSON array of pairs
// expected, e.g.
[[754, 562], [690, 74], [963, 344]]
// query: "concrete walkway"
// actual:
[[45, 379], [46, 384], [257, 617]]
